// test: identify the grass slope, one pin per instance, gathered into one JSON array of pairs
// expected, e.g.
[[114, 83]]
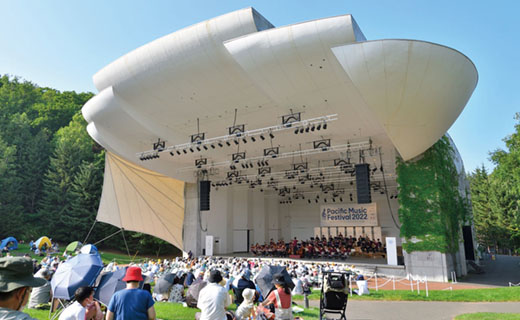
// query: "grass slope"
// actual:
[[488, 316]]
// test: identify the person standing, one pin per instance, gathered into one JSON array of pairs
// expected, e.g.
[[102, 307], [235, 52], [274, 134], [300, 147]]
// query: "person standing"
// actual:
[[16, 283], [131, 303]]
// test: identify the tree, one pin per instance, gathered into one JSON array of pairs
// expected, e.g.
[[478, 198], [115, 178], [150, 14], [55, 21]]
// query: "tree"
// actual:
[[485, 219], [10, 209], [73, 147]]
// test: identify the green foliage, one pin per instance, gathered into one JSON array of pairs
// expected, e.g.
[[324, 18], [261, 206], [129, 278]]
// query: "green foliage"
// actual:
[[431, 208], [51, 171], [496, 197], [488, 316]]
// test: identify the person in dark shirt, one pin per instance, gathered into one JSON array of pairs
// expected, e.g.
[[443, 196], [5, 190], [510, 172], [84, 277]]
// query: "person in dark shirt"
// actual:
[[243, 283]]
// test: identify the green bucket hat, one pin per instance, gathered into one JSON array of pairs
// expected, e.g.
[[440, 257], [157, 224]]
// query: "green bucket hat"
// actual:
[[16, 272]]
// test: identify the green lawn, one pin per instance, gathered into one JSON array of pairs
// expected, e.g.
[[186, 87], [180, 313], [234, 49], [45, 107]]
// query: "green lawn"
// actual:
[[469, 295], [178, 312], [175, 311], [488, 316]]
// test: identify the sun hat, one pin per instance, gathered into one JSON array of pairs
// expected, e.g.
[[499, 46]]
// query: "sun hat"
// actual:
[[248, 295], [16, 272], [133, 274]]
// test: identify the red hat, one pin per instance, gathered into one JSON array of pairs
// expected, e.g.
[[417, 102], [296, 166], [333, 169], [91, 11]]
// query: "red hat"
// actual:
[[133, 274]]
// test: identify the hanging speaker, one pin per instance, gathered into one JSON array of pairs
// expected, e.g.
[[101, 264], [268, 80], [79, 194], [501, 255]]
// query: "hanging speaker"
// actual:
[[204, 189], [363, 183]]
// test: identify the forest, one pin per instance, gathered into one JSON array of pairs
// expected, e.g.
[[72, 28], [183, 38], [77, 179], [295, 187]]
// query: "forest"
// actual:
[[51, 176], [495, 197], [51, 171]]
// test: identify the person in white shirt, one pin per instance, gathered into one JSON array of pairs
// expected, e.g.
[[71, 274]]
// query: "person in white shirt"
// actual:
[[213, 299], [83, 308]]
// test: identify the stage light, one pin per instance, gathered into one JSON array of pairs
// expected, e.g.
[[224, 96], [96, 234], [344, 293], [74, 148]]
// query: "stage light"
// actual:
[[341, 199], [307, 129], [205, 147], [271, 135], [191, 149], [309, 201], [333, 199], [198, 148], [316, 200], [318, 127], [296, 131], [228, 143], [212, 146], [262, 137], [325, 126], [184, 150], [325, 199], [244, 139], [236, 142], [220, 144], [301, 130], [171, 153], [313, 128], [374, 170], [253, 139], [178, 152]]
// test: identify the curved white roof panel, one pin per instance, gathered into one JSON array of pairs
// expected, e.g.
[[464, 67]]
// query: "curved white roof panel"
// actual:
[[395, 93]]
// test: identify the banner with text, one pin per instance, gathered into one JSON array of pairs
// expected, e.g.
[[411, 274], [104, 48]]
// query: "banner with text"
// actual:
[[349, 215]]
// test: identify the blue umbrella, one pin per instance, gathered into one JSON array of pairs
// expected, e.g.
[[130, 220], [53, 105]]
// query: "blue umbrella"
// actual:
[[82, 270], [89, 249], [109, 284]]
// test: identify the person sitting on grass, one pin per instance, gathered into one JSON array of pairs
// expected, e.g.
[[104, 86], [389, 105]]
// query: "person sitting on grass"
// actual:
[[213, 299], [281, 298], [246, 310], [41, 296], [84, 306]]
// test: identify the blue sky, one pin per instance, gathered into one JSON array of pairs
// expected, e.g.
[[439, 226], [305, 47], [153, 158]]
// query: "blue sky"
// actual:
[[62, 43]]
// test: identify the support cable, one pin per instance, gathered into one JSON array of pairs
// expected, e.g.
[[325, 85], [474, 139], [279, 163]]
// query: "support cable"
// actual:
[[110, 236], [386, 191], [126, 245], [88, 234]]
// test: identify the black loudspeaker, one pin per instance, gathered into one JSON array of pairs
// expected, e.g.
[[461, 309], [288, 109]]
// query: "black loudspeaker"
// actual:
[[204, 189], [363, 183]]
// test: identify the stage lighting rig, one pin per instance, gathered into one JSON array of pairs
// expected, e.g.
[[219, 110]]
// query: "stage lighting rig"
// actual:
[[159, 145]]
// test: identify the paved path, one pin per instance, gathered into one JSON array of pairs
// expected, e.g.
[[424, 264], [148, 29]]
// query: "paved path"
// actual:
[[413, 310], [499, 272]]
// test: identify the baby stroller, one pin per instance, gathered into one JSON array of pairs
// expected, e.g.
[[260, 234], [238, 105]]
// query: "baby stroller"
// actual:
[[334, 294]]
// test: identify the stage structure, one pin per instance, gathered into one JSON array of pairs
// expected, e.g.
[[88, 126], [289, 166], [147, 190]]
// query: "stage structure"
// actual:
[[288, 123]]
